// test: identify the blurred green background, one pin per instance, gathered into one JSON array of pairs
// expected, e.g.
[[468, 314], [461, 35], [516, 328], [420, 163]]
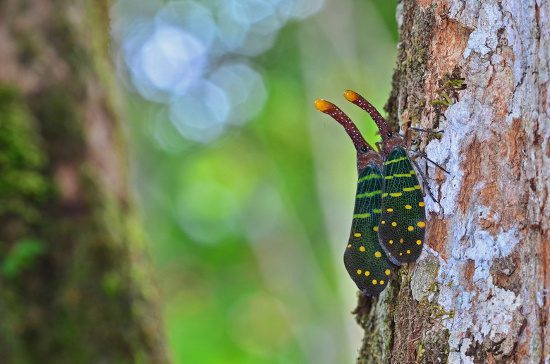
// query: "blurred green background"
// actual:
[[247, 191]]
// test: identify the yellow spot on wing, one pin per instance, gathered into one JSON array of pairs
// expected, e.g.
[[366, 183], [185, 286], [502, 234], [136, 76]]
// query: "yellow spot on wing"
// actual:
[[421, 224], [361, 248], [357, 235], [377, 254], [390, 242], [396, 194], [375, 228], [367, 273], [387, 272], [383, 222], [408, 207], [408, 189], [359, 271], [389, 209], [382, 281], [421, 204], [410, 228], [419, 242], [394, 224], [408, 251], [349, 246], [374, 281]]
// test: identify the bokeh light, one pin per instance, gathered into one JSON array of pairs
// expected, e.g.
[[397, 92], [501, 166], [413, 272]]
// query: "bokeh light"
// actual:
[[246, 191], [186, 49]]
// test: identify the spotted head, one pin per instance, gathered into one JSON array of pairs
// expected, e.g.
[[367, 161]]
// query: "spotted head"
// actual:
[[365, 152], [390, 139]]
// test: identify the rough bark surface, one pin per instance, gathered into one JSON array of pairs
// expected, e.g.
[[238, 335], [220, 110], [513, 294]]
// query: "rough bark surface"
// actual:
[[479, 70], [74, 281]]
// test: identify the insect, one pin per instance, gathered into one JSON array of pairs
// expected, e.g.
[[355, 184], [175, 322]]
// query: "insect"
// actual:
[[364, 258], [402, 225]]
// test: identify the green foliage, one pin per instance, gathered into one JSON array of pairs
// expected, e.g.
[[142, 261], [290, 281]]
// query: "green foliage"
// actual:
[[444, 100], [21, 256], [448, 90]]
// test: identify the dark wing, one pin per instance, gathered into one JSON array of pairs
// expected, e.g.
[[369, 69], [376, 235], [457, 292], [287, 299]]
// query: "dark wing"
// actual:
[[403, 218]]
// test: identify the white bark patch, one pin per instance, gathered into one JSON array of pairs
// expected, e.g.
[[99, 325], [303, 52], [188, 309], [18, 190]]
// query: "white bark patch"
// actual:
[[484, 38], [503, 38], [485, 248], [487, 311], [463, 120]]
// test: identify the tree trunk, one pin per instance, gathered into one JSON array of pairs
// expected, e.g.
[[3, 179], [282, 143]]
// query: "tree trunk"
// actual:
[[479, 292], [75, 287]]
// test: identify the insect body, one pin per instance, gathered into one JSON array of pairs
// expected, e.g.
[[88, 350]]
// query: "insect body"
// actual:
[[364, 258], [402, 224]]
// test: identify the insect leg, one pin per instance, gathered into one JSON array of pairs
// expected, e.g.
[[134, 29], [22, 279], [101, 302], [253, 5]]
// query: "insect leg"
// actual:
[[423, 155], [429, 131], [424, 180]]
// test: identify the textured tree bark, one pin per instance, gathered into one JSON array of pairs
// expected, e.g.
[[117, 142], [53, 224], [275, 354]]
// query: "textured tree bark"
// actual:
[[479, 292], [75, 285]]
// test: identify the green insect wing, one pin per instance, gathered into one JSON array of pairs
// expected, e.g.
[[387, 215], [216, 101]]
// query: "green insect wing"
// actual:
[[403, 218], [364, 258]]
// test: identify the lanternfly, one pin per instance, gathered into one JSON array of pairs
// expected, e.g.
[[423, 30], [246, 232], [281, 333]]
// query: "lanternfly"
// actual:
[[389, 218], [364, 258]]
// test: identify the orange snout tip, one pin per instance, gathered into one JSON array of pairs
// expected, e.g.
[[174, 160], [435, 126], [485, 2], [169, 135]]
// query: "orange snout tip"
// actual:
[[323, 105], [351, 95]]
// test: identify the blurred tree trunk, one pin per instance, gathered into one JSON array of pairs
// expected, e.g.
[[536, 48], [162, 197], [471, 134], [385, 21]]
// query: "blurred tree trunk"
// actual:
[[479, 292], [74, 280]]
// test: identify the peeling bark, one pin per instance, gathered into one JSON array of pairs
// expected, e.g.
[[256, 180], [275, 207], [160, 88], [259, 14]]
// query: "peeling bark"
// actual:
[[479, 292], [74, 278]]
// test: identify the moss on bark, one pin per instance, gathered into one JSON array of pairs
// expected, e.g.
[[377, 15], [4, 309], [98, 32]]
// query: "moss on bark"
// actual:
[[76, 287]]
